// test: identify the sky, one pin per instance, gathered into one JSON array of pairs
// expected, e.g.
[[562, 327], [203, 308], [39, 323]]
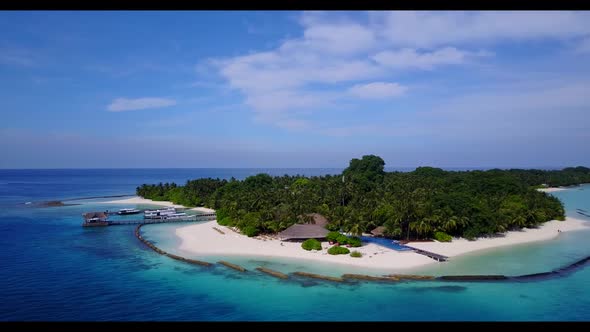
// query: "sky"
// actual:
[[294, 89]]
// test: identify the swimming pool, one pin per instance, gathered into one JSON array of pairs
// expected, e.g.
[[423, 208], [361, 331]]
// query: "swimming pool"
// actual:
[[387, 243]]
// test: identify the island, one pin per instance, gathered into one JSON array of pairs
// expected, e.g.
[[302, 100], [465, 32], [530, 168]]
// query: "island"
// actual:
[[445, 213]]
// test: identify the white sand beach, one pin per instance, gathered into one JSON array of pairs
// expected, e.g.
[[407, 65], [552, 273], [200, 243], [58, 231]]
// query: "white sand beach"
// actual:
[[203, 239], [139, 200], [552, 189], [547, 231]]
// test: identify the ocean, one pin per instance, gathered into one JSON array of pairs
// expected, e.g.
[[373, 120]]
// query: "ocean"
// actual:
[[55, 270]]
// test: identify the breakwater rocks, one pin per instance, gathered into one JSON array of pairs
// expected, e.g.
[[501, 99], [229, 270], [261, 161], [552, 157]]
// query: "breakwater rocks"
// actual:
[[561, 272], [368, 278], [51, 204], [473, 278], [318, 276], [273, 273], [162, 252], [56, 203], [188, 260], [232, 266], [410, 277]]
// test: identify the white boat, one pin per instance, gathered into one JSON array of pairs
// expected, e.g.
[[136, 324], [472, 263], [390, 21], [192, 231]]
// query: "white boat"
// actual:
[[173, 216], [128, 211], [158, 214]]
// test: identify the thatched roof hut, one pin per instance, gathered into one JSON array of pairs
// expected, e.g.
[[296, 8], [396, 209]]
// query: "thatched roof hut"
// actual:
[[379, 231], [95, 216], [315, 219], [303, 232]]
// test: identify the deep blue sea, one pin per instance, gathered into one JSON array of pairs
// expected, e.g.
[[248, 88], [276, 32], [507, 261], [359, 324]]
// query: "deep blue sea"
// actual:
[[52, 269]]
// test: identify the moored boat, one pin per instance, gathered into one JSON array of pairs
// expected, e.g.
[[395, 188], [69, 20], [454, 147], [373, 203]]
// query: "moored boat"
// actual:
[[159, 214], [173, 216], [128, 211]]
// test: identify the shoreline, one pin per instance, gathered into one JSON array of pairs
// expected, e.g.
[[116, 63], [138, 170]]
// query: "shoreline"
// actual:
[[140, 200], [552, 189], [204, 240], [548, 231]]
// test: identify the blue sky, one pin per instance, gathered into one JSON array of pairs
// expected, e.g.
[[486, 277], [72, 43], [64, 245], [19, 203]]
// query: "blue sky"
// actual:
[[294, 89]]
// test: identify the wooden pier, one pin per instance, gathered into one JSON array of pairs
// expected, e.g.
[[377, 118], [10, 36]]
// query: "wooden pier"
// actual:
[[101, 219], [583, 212], [435, 256]]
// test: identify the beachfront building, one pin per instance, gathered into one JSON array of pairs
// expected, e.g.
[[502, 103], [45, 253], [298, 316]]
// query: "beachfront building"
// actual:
[[301, 232]]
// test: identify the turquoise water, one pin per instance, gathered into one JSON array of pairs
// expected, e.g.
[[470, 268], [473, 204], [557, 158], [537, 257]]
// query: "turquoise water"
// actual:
[[53, 269], [575, 198]]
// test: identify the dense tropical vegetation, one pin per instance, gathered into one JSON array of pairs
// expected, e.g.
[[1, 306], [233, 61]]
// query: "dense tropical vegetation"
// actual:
[[414, 204]]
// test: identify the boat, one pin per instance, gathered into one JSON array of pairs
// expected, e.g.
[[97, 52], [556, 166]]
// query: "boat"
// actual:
[[174, 216], [158, 214], [128, 211]]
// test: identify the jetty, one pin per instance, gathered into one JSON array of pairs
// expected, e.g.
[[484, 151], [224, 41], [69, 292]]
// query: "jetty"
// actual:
[[158, 221], [92, 219], [435, 256]]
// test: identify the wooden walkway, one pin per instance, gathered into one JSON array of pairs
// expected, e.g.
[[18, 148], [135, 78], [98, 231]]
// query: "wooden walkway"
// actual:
[[583, 212], [435, 256]]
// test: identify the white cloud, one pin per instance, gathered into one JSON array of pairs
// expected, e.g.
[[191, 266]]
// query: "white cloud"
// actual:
[[124, 104], [276, 83], [430, 29], [316, 70], [268, 71], [377, 90], [343, 38], [410, 58]]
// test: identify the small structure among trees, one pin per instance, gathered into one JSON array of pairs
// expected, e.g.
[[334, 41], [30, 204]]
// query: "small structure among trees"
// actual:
[[379, 231]]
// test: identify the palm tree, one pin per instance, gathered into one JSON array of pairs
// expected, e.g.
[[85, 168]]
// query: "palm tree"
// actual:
[[422, 227], [519, 221], [357, 229], [450, 224]]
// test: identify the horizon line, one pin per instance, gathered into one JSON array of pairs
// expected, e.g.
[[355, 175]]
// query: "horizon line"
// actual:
[[262, 167]]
